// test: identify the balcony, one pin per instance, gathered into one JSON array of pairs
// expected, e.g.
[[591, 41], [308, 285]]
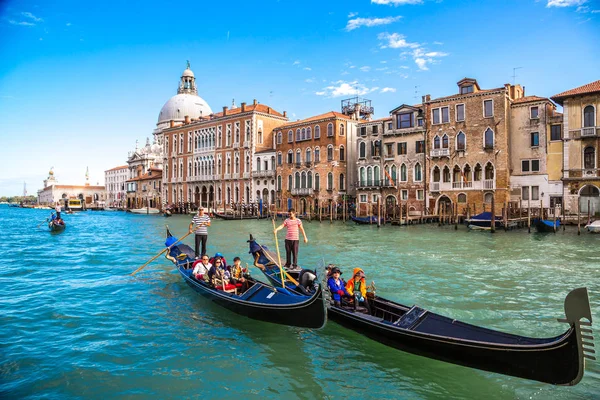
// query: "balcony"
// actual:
[[263, 174], [226, 176], [236, 144], [298, 165], [236, 175], [589, 131], [246, 145], [404, 131], [302, 191], [246, 175], [440, 153], [486, 184], [308, 164], [583, 173]]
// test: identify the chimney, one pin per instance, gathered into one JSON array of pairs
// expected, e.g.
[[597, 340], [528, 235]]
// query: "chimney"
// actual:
[[171, 123], [426, 98], [243, 107], [186, 119], [254, 102], [285, 114], [224, 110], [268, 110]]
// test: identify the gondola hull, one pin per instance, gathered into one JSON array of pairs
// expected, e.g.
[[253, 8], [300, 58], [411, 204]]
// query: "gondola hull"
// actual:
[[232, 217], [484, 221], [56, 227], [546, 226], [367, 220]]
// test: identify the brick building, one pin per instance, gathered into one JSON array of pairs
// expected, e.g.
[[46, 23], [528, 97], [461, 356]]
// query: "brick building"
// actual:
[[144, 189]]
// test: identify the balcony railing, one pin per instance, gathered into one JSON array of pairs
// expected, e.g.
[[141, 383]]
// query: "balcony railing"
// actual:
[[236, 144], [302, 191], [226, 176], [583, 173], [236, 175], [377, 183], [298, 165], [589, 131], [440, 153], [263, 173], [486, 184], [246, 175], [308, 164]]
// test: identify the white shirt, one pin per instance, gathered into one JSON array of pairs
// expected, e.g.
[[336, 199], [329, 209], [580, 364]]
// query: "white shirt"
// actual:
[[57, 208], [201, 269]]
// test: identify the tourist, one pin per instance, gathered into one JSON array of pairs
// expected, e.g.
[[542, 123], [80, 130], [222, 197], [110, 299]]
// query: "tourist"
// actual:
[[357, 287], [219, 255], [218, 274], [201, 222], [238, 274], [202, 268], [336, 286], [293, 225], [57, 208]]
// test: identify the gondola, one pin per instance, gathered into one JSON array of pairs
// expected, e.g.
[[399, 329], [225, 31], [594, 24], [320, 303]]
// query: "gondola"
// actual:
[[372, 220], [167, 213], [545, 225], [232, 217], [484, 221], [260, 301], [557, 360], [56, 227]]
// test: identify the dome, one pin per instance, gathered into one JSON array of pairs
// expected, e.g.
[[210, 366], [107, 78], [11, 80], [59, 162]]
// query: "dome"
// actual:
[[188, 72], [181, 105]]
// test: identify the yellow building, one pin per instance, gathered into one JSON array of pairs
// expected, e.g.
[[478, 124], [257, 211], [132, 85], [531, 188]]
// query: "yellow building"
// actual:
[[581, 133]]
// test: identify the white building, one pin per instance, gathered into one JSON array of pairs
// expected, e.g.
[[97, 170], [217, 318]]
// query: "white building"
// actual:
[[53, 192], [263, 175], [114, 181]]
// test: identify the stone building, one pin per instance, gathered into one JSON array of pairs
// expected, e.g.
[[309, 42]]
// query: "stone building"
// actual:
[[581, 135], [53, 192], [115, 182], [263, 174], [144, 190], [467, 140], [531, 123]]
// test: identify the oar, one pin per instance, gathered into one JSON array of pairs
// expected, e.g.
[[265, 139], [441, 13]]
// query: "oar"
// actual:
[[156, 256], [278, 255], [41, 223]]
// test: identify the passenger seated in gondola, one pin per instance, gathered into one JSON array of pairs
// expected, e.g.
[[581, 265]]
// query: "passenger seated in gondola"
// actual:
[[336, 286], [238, 274], [357, 287], [219, 255], [219, 276], [201, 269]]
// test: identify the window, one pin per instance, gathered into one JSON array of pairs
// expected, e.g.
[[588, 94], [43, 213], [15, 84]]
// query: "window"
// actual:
[[376, 148], [436, 116], [420, 146], [389, 126], [290, 157], [363, 131], [362, 150], [298, 137], [279, 183], [329, 129], [375, 129], [462, 198], [308, 133], [419, 121], [317, 155], [290, 136], [589, 158], [404, 120], [488, 197], [279, 138], [389, 149], [308, 155], [535, 139], [403, 174], [535, 165], [279, 158], [342, 129], [290, 183], [310, 180], [535, 193], [298, 157], [525, 166], [466, 89], [303, 134], [460, 112], [589, 117], [401, 148], [461, 141], [445, 141], [404, 195], [317, 132], [436, 142], [445, 115], [534, 112], [374, 197], [420, 194], [418, 173], [525, 192], [555, 132], [317, 183], [363, 198], [297, 180], [330, 153], [329, 181], [342, 153], [488, 108], [342, 181], [489, 139]]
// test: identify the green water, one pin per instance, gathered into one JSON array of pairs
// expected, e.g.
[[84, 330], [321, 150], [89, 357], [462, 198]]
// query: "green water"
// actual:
[[74, 324]]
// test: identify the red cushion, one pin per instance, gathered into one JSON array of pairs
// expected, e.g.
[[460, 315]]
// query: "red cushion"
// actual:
[[229, 286], [238, 285]]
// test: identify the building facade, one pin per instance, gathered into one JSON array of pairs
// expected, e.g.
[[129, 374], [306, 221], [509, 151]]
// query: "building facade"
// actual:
[[144, 190], [53, 192], [263, 174], [115, 182], [581, 143]]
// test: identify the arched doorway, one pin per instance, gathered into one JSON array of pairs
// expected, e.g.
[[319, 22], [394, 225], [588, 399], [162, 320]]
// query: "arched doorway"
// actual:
[[303, 208], [589, 194], [444, 205], [197, 196], [204, 196], [265, 195], [211, 196]]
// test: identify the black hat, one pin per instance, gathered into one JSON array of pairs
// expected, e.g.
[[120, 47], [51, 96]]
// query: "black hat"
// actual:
[[334, 270]]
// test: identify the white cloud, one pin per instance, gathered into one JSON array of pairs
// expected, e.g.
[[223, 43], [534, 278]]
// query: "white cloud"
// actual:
[[436, 54], [438, 43], [296, 62], [31, 16], [381, 69], [366, 68], [309, 80], [352, 14], [395, 41], [396, 2], [383, 62], [307, 69], [369, 22], [68, 24], [342, 88], [20, 23], [388, 90], [565, 3], [421, 63]]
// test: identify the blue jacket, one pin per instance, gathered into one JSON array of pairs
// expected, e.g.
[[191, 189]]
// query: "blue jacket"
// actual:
[[334, 287]]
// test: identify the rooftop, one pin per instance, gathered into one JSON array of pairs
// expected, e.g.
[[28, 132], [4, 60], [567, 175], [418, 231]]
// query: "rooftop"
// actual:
[[593, 87], [327, 115]]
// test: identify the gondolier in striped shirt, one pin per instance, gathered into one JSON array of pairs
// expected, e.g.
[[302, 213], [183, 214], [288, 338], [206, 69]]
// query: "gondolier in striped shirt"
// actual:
[[200, 224], [292, 238]]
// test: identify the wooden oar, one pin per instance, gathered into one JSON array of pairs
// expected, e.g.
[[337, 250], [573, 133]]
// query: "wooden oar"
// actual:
[[156, 256], [278, 255], [41, 223]]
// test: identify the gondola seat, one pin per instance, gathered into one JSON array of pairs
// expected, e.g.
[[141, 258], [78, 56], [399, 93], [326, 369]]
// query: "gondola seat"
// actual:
[[229, 287]]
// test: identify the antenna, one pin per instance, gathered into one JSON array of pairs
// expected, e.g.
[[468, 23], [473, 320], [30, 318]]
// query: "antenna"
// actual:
[[514, 75], [416, 96]]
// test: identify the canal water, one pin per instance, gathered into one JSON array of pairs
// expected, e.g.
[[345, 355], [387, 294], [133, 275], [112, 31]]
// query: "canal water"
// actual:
[[75, 324]]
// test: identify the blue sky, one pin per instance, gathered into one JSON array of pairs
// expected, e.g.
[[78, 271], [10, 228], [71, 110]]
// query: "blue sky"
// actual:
[[80, 82]]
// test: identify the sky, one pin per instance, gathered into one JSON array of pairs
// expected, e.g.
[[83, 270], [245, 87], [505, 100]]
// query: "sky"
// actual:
[[80, 82]]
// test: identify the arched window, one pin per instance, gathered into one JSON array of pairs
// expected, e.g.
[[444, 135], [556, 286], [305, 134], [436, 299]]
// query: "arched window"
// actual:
[[461, 141], [308, 133], [462, 198], [362, 150], [330, 152], [456, 172], [446, 174], [290, 136], [341, 129], [376, 175], [317, 132], [330, 129], [342, 182], [303, 180], [279, 137], [445, 141], [279, 158], [394, 173], [298, 134], [317, 155], [369, 176], [467, 173], [342, 153], [329, 181], [436, 174], [317, 182], [308, 155], [298, 156], [258, 164], [489, 171], [589, 117], [290, 183], [309, 183], [303, 135], [290, 157], [418, 173], [589, 158], [279, 182], [488, 197], [489, 139], [403, 173], [436, 142], [362, 176], [477, 172], [297, 180]]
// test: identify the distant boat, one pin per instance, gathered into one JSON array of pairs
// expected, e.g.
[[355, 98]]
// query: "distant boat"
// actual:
[[232, 217], [594, 227], [367, 220], [546, 225], [484, 221], [56, 227], [145, 210], [75, 205]]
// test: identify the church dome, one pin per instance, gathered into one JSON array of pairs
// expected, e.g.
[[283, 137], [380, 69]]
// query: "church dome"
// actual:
[[184, 104], [188, 72]]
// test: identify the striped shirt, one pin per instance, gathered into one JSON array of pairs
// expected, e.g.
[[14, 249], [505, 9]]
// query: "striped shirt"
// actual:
[[292, 228], [197, 220]]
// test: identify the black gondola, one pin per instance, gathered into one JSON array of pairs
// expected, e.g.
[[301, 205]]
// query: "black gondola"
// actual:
[[557, 360], [545, 225], [260, 301], [372, 220], [233, 217], [56, 226]]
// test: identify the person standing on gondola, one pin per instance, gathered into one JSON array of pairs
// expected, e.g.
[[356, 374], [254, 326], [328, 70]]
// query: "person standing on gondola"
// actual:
[[292, 238], [200, 224], [57, 208]]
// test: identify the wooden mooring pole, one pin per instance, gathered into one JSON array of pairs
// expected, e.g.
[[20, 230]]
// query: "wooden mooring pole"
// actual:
[[578, 216], [493, 222], [528, 215]]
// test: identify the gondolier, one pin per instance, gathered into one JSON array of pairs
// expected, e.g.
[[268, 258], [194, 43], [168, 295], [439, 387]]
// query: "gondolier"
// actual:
[[200, 224], [292, 238], [57, 208]]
